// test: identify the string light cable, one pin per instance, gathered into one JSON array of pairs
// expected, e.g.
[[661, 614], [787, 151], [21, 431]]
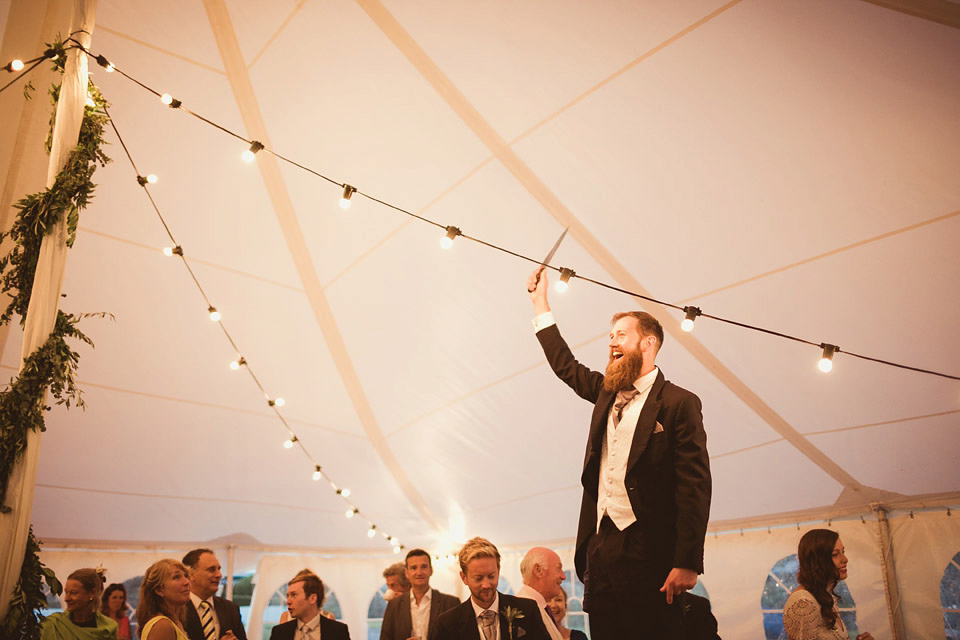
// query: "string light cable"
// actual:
[[241, 362], [354, 192]]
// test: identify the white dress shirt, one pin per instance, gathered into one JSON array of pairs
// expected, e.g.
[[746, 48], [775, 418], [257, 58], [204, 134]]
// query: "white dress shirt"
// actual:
[[529, 592], [495, 607], [308, 630], [195, 599], [420, 613]]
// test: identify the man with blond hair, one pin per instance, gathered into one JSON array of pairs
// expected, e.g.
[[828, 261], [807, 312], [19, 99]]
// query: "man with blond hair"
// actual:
[[542, 573], [488, 614]]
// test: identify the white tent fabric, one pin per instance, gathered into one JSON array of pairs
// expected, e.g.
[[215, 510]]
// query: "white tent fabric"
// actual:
[[789, 164]]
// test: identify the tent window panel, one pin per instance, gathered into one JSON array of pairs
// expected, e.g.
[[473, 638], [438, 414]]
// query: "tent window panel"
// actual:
[[378, 606], [577, 618], [950, 598]]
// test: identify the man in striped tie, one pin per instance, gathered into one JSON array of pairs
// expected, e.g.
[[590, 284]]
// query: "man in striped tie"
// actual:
[[210, 617]]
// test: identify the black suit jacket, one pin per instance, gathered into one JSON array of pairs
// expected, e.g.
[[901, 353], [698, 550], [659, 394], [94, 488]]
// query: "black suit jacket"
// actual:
[[397, 623], [228, 614], [668, 473], [698, 620], [329, 630], [460, 623]]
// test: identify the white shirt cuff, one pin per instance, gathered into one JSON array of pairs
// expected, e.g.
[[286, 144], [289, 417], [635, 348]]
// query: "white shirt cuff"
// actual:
[[543, 321]]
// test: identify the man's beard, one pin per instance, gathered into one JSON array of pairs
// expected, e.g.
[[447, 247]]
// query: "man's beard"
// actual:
[[624, 371]]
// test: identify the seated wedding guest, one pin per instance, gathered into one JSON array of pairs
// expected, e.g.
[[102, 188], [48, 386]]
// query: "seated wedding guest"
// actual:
[[397, 583], [115, 607], [82, 620], [488, 614], [811, 610], [164, 595], [558, 609], [305, 594]]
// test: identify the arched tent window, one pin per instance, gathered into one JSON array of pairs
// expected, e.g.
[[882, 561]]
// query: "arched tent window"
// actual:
[[577, 618], [950, 598], [781, 581], [278, 604], [375, 613], [503, 586]]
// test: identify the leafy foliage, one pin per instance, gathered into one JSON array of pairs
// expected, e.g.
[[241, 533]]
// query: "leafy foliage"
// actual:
[[53, 365], [23, 619]]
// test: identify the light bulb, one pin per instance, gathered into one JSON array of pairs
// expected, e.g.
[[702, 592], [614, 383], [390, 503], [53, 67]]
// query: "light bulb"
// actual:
[[348, 192], [152, 178], [168, 251], [344, 492], [372, 531], [563, 282], [279, 402], [288, 443], [692, 313], [15, 65], [350, 513], [214, 314], [447, 241], [318, 474], [826, 360], [560, 286], [110, 68], [249, 154], [396, 549], [166, 99], [234, 365]]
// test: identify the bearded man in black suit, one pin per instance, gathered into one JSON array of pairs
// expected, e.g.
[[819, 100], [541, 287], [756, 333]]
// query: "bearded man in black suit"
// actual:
[[646, 479], [488, 614]]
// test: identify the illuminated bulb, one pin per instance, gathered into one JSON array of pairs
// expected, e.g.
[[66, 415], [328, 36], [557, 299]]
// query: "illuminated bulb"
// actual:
[[166, 99], [239, 362], [826, 361], [447, 241], [214, 314], [344, 492], [251, 153], [351, 513], [168, 251], [372, 531], [279, 402], [15, 65], [110, 67], [319, 474], [564, 280], [288, 443], [396, 549], [152, 178], [348, 192], [692, 313], [173, 251]]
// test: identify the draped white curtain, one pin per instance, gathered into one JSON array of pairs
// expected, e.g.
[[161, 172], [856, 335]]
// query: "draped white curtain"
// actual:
[[45, 297]]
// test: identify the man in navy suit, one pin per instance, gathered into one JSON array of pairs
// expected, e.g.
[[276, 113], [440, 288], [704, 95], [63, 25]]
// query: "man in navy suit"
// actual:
[[209, 617], [488, 614], [646, 479], [305, 594]]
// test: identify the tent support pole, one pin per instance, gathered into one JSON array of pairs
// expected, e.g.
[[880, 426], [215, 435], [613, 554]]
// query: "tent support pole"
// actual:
[[891, 588], [231, 548]]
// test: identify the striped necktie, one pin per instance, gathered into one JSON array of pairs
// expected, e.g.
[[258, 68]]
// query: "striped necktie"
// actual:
[[206, 621]]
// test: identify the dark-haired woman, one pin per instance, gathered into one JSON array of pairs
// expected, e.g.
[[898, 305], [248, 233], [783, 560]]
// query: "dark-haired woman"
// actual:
[[115, 607], [82, 620], [811, 610], [164, 594]]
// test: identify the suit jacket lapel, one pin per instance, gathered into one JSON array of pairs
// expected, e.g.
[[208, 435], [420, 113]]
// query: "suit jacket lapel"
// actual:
[[647, 421], [406, 618]]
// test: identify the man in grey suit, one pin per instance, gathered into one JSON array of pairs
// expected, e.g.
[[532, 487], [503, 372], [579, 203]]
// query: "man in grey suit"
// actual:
[[415, 613]]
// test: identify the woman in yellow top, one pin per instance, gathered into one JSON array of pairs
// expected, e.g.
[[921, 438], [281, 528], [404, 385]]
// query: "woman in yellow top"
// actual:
[[164, 594], [81, 620]]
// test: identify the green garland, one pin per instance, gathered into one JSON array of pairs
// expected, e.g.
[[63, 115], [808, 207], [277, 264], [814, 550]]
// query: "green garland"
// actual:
[[53, 365]]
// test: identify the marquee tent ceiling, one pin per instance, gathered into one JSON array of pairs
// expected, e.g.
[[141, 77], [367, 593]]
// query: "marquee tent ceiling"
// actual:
[[790, 164]]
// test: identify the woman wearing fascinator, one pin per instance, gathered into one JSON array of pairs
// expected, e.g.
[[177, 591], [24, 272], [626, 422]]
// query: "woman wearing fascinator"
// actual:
[[82, 619]]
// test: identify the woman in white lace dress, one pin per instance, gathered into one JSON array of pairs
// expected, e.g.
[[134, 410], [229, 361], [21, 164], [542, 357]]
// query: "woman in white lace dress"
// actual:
[[811, 610]]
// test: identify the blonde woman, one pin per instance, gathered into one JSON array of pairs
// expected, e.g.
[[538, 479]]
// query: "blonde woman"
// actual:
[[164, 595]]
